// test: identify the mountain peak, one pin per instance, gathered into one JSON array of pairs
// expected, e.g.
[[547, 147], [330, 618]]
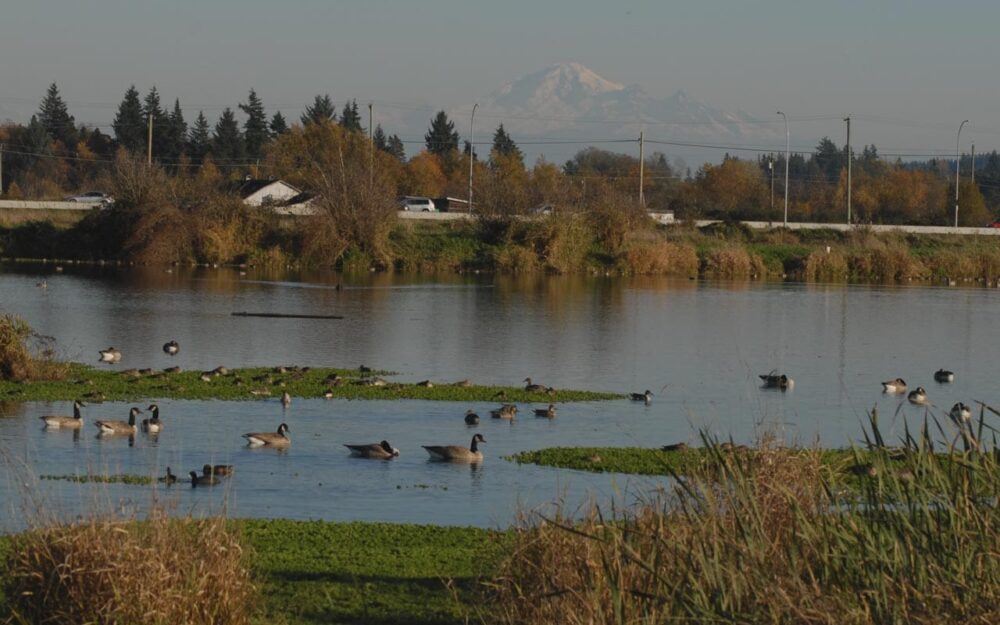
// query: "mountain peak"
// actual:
[[567, 82]]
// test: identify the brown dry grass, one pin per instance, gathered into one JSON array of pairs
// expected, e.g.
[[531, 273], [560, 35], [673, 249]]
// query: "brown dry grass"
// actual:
[[733, 262], [26, 355], [159, 571], [660, 258], [823, 266]]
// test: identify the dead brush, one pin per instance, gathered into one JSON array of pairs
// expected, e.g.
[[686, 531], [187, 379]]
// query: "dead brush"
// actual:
[[660, 258], [158, 571], [823, 266], [731, 262], [26, 355]]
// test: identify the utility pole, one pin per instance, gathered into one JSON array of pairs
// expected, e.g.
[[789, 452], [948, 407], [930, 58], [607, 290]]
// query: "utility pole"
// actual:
[[770, 167], [973, 164], [642, 197], [849, 159], [785, 117], [472, 149], [371, 148], [149, 145], [958, 163]]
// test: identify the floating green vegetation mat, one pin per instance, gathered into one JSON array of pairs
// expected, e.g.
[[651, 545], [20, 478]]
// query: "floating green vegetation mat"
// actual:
[[321, 572], [121, 478], [98, 384]]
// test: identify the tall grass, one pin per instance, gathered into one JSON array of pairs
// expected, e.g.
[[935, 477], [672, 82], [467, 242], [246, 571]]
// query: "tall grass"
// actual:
[[769, 537], [26, 355]]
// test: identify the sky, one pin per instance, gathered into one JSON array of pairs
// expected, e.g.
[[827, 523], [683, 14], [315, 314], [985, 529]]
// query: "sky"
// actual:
[[908, 72]]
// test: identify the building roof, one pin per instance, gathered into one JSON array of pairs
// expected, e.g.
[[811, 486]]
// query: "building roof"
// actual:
[[246, 188]]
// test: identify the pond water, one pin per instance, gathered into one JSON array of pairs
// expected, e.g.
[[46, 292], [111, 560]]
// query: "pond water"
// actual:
[[697, 345]]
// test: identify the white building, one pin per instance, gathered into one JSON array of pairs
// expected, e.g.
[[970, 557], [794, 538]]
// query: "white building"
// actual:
[[266, 192]]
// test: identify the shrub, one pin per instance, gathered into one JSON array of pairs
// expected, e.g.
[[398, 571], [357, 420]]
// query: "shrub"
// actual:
[[732, 262], [826, 266], [26, 355], [660, 258]]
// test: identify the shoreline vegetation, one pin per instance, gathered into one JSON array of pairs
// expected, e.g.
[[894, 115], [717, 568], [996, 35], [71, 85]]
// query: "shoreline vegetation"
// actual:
[[601, 243]]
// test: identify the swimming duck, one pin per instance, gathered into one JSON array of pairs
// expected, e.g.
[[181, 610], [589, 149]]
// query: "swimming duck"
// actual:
[[119, 427], [269, 439], [217, 469], [171, 348], [286, 399], [203, 480], [960, 414], [153, 424], [457, 453], [110, 355], [169, 478], [507, 411], [894, 386], [646, 397], [381, 450], [944, 376], [549, 412], [533, 388], [471, 418], [775, 380], [918, 396], [73, 422]]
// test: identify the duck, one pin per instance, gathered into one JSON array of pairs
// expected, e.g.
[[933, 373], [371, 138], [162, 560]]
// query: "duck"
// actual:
[[944, 376], [960, 414], [217, 469], [918, 396], [533, 388], [463, 383], [549, 412], [110, 355], [674, 447], [169, 478], [775, 380], [74, 422], [457, 453], [286, 399], [426, 384], [382, 450], [646, 397], [119, 427], [894, 386], [507, 411], [171, 348], [172, 370], [203, 480], [471, 418], [269, 439], [153, 424]]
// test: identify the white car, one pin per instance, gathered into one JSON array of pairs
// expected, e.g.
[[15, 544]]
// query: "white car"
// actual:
[[90, 197], [422, 204]]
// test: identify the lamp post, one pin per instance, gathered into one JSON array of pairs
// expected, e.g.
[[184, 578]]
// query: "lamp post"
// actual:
[[958, 162], [472, 149], [785, 117]]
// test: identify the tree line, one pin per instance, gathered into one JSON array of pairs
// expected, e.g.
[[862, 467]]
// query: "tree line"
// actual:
[[52, 155]]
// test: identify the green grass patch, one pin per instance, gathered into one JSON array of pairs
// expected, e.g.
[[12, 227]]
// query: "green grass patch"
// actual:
[[93, 384], [321, 572], [120, 478]]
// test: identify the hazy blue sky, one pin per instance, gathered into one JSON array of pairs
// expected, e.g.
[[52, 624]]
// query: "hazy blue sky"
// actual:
[[911, 70]]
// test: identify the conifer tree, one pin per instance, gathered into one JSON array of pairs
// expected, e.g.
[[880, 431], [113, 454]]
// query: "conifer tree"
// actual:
[[200, 141], [441, 138], [503, 145], [394, 146], [350, 119], [151, 107], [255, 131], [55, 118], [129, 124], [227, 142], [322, 110], [278, 124], [379, 138], [176, 132]]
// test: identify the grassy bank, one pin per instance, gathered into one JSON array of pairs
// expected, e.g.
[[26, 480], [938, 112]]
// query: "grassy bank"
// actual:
[[94, 384]]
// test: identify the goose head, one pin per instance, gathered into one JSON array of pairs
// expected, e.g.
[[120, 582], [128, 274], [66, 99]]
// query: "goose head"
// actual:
[[132, 414], [283, 430], [389, 449], [155, 410]]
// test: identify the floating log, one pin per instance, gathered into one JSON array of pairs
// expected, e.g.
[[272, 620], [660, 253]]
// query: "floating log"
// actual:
[[285, 316]]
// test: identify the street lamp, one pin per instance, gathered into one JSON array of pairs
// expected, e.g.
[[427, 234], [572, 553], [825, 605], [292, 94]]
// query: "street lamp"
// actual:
[[958, 161], [472, 148], [785, 117]]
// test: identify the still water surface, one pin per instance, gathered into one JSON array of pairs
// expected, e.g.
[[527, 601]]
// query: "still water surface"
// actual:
[[697, 345]]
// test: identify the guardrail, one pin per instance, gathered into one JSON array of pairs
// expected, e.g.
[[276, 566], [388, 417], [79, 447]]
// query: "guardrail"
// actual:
[[43, 205]]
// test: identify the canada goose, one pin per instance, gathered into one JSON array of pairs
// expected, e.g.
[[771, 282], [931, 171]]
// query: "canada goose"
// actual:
[[328, 394], [463, 383], [42, 285], [110, 355], [533, 388], [943, 376], [863, 470], [507, 411], [674, 447], [960, 414], [501, 395], [549, 412], [73, 422], [172, 370], [381, 450], [646, 397], [426, 384], [217, 469], [457, 453], [894, 386], [269, 439], [775, 380], [152, 424], [220, 371], [119, 427], [918, 396], [169, 478], [171, 348], [471, 418], [206, 377], [286, 399], [364, 369], [203, 480]]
